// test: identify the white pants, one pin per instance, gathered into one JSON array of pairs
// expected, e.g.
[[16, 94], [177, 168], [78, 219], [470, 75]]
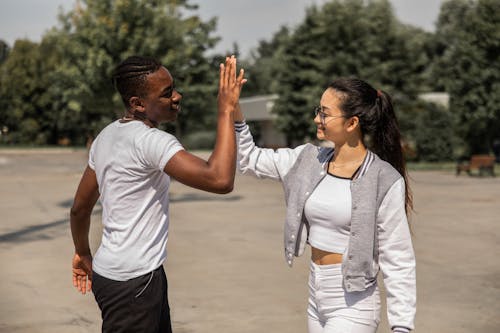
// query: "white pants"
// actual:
[[334, 310]]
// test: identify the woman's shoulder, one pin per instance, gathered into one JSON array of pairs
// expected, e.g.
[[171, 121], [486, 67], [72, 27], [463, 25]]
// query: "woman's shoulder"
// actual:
[[384, 169], [320, 151], [310, 155]]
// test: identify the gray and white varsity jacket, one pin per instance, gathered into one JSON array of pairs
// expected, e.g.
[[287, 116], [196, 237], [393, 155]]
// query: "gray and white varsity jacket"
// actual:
[[380, 236]]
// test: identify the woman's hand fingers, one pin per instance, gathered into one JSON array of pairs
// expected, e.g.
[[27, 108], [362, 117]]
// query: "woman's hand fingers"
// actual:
[[240, 79]]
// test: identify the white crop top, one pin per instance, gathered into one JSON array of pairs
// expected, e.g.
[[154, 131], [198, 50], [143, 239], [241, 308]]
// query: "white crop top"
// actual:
[[328, 211]]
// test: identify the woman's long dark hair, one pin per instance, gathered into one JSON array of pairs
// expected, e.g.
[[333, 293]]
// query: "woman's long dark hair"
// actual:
[[377, 120]]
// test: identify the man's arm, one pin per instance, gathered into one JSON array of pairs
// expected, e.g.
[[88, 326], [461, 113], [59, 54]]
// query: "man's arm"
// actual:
[[85, 198], [216, 174]]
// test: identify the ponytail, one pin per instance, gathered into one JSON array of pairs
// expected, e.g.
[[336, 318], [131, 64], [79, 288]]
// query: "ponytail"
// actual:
[[386, 141], [377, 120]]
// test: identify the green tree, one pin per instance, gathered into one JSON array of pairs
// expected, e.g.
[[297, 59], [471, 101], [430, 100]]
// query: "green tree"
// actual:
[[97, 34], [300, 73], [467, 66], [261, 68], [21, 89], [346, 38], [4, 51], [429, 132]]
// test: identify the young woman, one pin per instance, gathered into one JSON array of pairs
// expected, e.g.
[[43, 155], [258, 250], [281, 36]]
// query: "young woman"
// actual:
[[350, 203]]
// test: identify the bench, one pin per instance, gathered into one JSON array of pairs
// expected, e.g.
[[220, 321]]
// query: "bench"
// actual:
[[483, 163]]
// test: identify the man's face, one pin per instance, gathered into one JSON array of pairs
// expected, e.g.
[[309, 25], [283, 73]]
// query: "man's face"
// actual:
[[162, 101]]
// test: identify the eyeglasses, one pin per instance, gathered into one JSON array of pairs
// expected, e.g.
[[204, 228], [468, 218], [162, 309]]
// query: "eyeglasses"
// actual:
[[323, 116]]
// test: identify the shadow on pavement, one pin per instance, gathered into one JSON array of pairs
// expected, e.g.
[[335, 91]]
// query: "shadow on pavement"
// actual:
[[40, 231], [190, 197], [66, 203], [31, 233]]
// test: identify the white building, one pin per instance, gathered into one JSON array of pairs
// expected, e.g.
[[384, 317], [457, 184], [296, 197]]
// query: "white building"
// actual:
[[440, 98], [258, 109]]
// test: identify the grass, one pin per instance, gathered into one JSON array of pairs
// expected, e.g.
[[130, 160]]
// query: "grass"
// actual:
[[444, 166], [432, 166], [16, 149]]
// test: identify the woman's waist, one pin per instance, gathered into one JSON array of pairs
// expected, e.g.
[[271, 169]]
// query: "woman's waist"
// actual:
[[322, 257]]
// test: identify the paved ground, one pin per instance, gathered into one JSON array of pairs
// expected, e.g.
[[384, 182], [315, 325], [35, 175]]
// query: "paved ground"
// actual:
[[226, 269]]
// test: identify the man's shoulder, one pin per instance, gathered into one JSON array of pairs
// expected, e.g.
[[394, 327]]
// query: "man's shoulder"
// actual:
[[153, 135]]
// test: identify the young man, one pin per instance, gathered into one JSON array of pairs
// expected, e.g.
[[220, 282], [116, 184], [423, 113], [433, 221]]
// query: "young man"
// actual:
[[129, 168]]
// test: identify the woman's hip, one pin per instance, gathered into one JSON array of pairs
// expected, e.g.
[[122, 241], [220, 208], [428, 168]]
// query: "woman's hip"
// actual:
[[328, 298]]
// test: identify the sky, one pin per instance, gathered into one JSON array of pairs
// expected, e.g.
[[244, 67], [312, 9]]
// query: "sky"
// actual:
[[242, 21]]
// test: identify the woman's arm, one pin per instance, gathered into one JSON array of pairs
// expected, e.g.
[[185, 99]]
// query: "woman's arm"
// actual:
[[261, 162], [397, 259]]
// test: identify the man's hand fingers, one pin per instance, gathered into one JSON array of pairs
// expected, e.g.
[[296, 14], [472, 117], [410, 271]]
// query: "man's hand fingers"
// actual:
[[227, 71], [82, 273], [221, 75], [83, 284], [232, 70]]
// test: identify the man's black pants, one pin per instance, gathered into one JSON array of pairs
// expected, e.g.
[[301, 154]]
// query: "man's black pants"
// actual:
[[136, 305]]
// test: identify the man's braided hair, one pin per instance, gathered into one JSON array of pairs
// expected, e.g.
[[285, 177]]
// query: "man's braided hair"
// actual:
[[129, 77]]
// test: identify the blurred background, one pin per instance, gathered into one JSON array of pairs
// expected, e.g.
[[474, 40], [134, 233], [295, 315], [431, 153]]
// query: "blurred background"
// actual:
[[438, 59]]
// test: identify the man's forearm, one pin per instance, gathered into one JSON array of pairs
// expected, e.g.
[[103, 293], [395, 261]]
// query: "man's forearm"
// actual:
[[80, 226], [223, 158]]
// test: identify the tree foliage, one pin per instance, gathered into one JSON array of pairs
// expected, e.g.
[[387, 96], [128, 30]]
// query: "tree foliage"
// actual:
[[261, 68], [4, 51], [102, 33], [429, 132], [467, 66], [23, 94], [345, 38], [97, 34], [60, 89]]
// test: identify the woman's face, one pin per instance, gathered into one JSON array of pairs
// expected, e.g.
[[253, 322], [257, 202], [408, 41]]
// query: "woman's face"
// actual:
[[329, 118]]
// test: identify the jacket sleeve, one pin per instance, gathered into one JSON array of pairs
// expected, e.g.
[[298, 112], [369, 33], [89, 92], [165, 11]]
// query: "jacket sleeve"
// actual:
[[262, 162], [397, 259]]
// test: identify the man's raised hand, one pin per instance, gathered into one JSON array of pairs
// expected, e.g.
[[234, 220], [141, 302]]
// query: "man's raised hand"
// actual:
[[229, 85]]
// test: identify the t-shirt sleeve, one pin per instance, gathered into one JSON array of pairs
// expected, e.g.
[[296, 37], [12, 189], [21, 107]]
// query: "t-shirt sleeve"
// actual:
[[92, 154], [156, 148]]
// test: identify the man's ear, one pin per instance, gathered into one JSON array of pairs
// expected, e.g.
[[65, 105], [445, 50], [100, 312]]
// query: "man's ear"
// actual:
[[136, 104]]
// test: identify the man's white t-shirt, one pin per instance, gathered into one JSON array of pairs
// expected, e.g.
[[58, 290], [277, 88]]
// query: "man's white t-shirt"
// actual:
[[128, 159]]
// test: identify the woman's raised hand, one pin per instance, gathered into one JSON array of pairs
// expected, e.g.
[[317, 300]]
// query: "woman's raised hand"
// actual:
[[229, 85]]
